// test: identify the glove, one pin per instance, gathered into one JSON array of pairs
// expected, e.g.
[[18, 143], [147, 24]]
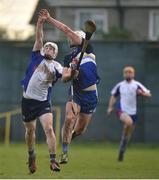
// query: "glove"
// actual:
[[73, 64]]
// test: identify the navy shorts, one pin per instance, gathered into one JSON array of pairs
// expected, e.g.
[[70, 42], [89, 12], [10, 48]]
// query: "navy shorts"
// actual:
[[119, 111], [32, 109], [87, 100], [133, 117]]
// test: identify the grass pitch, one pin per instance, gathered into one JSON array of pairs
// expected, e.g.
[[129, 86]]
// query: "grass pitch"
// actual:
[[86, 161]]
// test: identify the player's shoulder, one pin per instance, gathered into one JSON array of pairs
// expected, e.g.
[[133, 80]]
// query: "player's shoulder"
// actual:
[[36, 56], [56, 64], [137, 82], [37, 52], [120, 83]]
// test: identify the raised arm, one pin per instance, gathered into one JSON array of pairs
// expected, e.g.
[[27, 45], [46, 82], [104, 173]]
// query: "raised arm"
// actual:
[[112, 101], [39, 35], [61, 26]]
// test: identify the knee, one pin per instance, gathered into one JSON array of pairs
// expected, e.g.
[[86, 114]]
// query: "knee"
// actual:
[[70, 117], [48, 131], [30, 130], [129, 123]]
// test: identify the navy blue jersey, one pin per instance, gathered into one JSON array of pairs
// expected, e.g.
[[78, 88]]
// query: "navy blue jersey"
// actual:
[[88, 69]]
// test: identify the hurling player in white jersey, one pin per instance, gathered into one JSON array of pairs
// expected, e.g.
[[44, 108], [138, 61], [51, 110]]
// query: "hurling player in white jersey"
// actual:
[[42, 73], [127, 90]]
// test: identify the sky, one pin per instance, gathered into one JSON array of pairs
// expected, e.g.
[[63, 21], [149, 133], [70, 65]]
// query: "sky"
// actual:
[[15, 16]]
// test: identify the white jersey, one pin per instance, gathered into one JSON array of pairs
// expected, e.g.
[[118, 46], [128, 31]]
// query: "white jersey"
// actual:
[[128, 95], [40, 77]]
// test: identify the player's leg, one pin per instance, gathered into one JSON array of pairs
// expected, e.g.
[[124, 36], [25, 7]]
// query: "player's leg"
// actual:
[[71, 114], [88, 103], [81, 124], [30, 128], [47, 124], [127, 132]]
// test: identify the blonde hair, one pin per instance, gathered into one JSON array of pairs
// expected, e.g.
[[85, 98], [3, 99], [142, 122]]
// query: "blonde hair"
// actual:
[[129, 68]]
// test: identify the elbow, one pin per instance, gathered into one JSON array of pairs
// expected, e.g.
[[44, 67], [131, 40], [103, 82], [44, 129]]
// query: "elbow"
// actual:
[[65, 79], [149, 95], [72, 35], [113, 97]]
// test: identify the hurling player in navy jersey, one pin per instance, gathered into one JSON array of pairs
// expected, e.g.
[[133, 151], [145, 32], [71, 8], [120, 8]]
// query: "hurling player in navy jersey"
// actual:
[[42, 73], [79, 111]]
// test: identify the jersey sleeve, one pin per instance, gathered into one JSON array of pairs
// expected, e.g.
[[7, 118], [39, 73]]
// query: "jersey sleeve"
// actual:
[[59, 70], [116, 90], [36, 55], [142, 87]]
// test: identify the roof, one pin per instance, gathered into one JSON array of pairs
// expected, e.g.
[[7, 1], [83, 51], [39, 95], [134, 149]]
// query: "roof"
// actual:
[[16, 14], [102, 3]]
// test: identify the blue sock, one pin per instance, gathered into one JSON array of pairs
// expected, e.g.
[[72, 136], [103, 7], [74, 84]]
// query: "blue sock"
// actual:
[[65, 148], [52, 157]]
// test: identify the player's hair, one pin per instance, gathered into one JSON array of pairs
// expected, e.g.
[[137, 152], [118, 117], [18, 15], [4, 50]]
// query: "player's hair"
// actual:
[[129, 68]]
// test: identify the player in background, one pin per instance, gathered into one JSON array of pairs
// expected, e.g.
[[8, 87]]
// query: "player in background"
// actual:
[[79, 112], [127, 90], [42, 73]]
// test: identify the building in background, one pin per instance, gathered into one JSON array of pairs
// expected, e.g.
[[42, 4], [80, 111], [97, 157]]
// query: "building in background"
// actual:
[[135, 20], [14, 19], [115, 19]]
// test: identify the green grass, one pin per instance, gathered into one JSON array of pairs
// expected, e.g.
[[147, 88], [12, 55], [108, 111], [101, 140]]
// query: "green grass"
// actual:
[[86, 161]]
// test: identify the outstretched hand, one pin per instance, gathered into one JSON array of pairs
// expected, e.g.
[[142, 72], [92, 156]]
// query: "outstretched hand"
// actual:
[[41, 20], [44, 14], [109, 111]]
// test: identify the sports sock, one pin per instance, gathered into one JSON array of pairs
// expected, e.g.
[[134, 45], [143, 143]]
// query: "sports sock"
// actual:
[[124, 142], [65, 148], [52, 157], [31, 153]]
